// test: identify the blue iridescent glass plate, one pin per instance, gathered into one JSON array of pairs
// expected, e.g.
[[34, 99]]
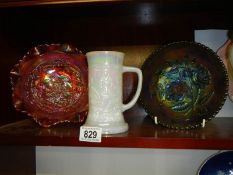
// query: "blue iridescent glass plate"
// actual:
[[184, 83]]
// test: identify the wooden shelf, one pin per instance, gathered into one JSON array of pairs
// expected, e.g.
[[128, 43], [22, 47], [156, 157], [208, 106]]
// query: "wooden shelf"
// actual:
[[23, 3], [143, 133]]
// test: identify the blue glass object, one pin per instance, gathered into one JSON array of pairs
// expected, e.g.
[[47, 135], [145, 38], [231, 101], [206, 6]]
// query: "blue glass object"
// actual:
[[219, 164]]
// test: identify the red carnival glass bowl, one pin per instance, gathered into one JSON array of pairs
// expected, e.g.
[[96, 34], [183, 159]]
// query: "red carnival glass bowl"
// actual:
[[50, 84]]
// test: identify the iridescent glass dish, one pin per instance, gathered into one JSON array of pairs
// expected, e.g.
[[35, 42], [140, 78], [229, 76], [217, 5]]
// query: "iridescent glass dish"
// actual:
[[50, 84], [184, 83]]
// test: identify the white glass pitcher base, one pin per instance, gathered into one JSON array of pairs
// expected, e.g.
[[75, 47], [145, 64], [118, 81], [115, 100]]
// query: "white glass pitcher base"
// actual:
[[114, 128]]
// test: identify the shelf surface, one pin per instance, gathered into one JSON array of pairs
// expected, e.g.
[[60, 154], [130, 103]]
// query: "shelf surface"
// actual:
[[143, 133]]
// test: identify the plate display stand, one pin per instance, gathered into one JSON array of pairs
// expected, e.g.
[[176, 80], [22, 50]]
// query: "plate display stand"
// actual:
[[202, 124]]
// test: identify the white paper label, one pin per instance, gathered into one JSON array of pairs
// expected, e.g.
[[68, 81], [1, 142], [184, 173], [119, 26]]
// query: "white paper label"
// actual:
[[90, 134]]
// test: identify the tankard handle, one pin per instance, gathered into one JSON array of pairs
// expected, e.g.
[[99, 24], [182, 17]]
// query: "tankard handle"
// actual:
[[139, 86]]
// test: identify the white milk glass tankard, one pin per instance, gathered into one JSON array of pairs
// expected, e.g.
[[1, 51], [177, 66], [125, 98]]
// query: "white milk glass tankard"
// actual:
[[105, 71]]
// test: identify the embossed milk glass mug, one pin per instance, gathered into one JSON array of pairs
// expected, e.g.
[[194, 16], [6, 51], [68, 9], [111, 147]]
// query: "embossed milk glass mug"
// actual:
[[105, 71]]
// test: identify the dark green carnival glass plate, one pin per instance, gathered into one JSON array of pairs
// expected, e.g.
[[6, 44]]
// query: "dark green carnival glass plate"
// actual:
[[184, 83]]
